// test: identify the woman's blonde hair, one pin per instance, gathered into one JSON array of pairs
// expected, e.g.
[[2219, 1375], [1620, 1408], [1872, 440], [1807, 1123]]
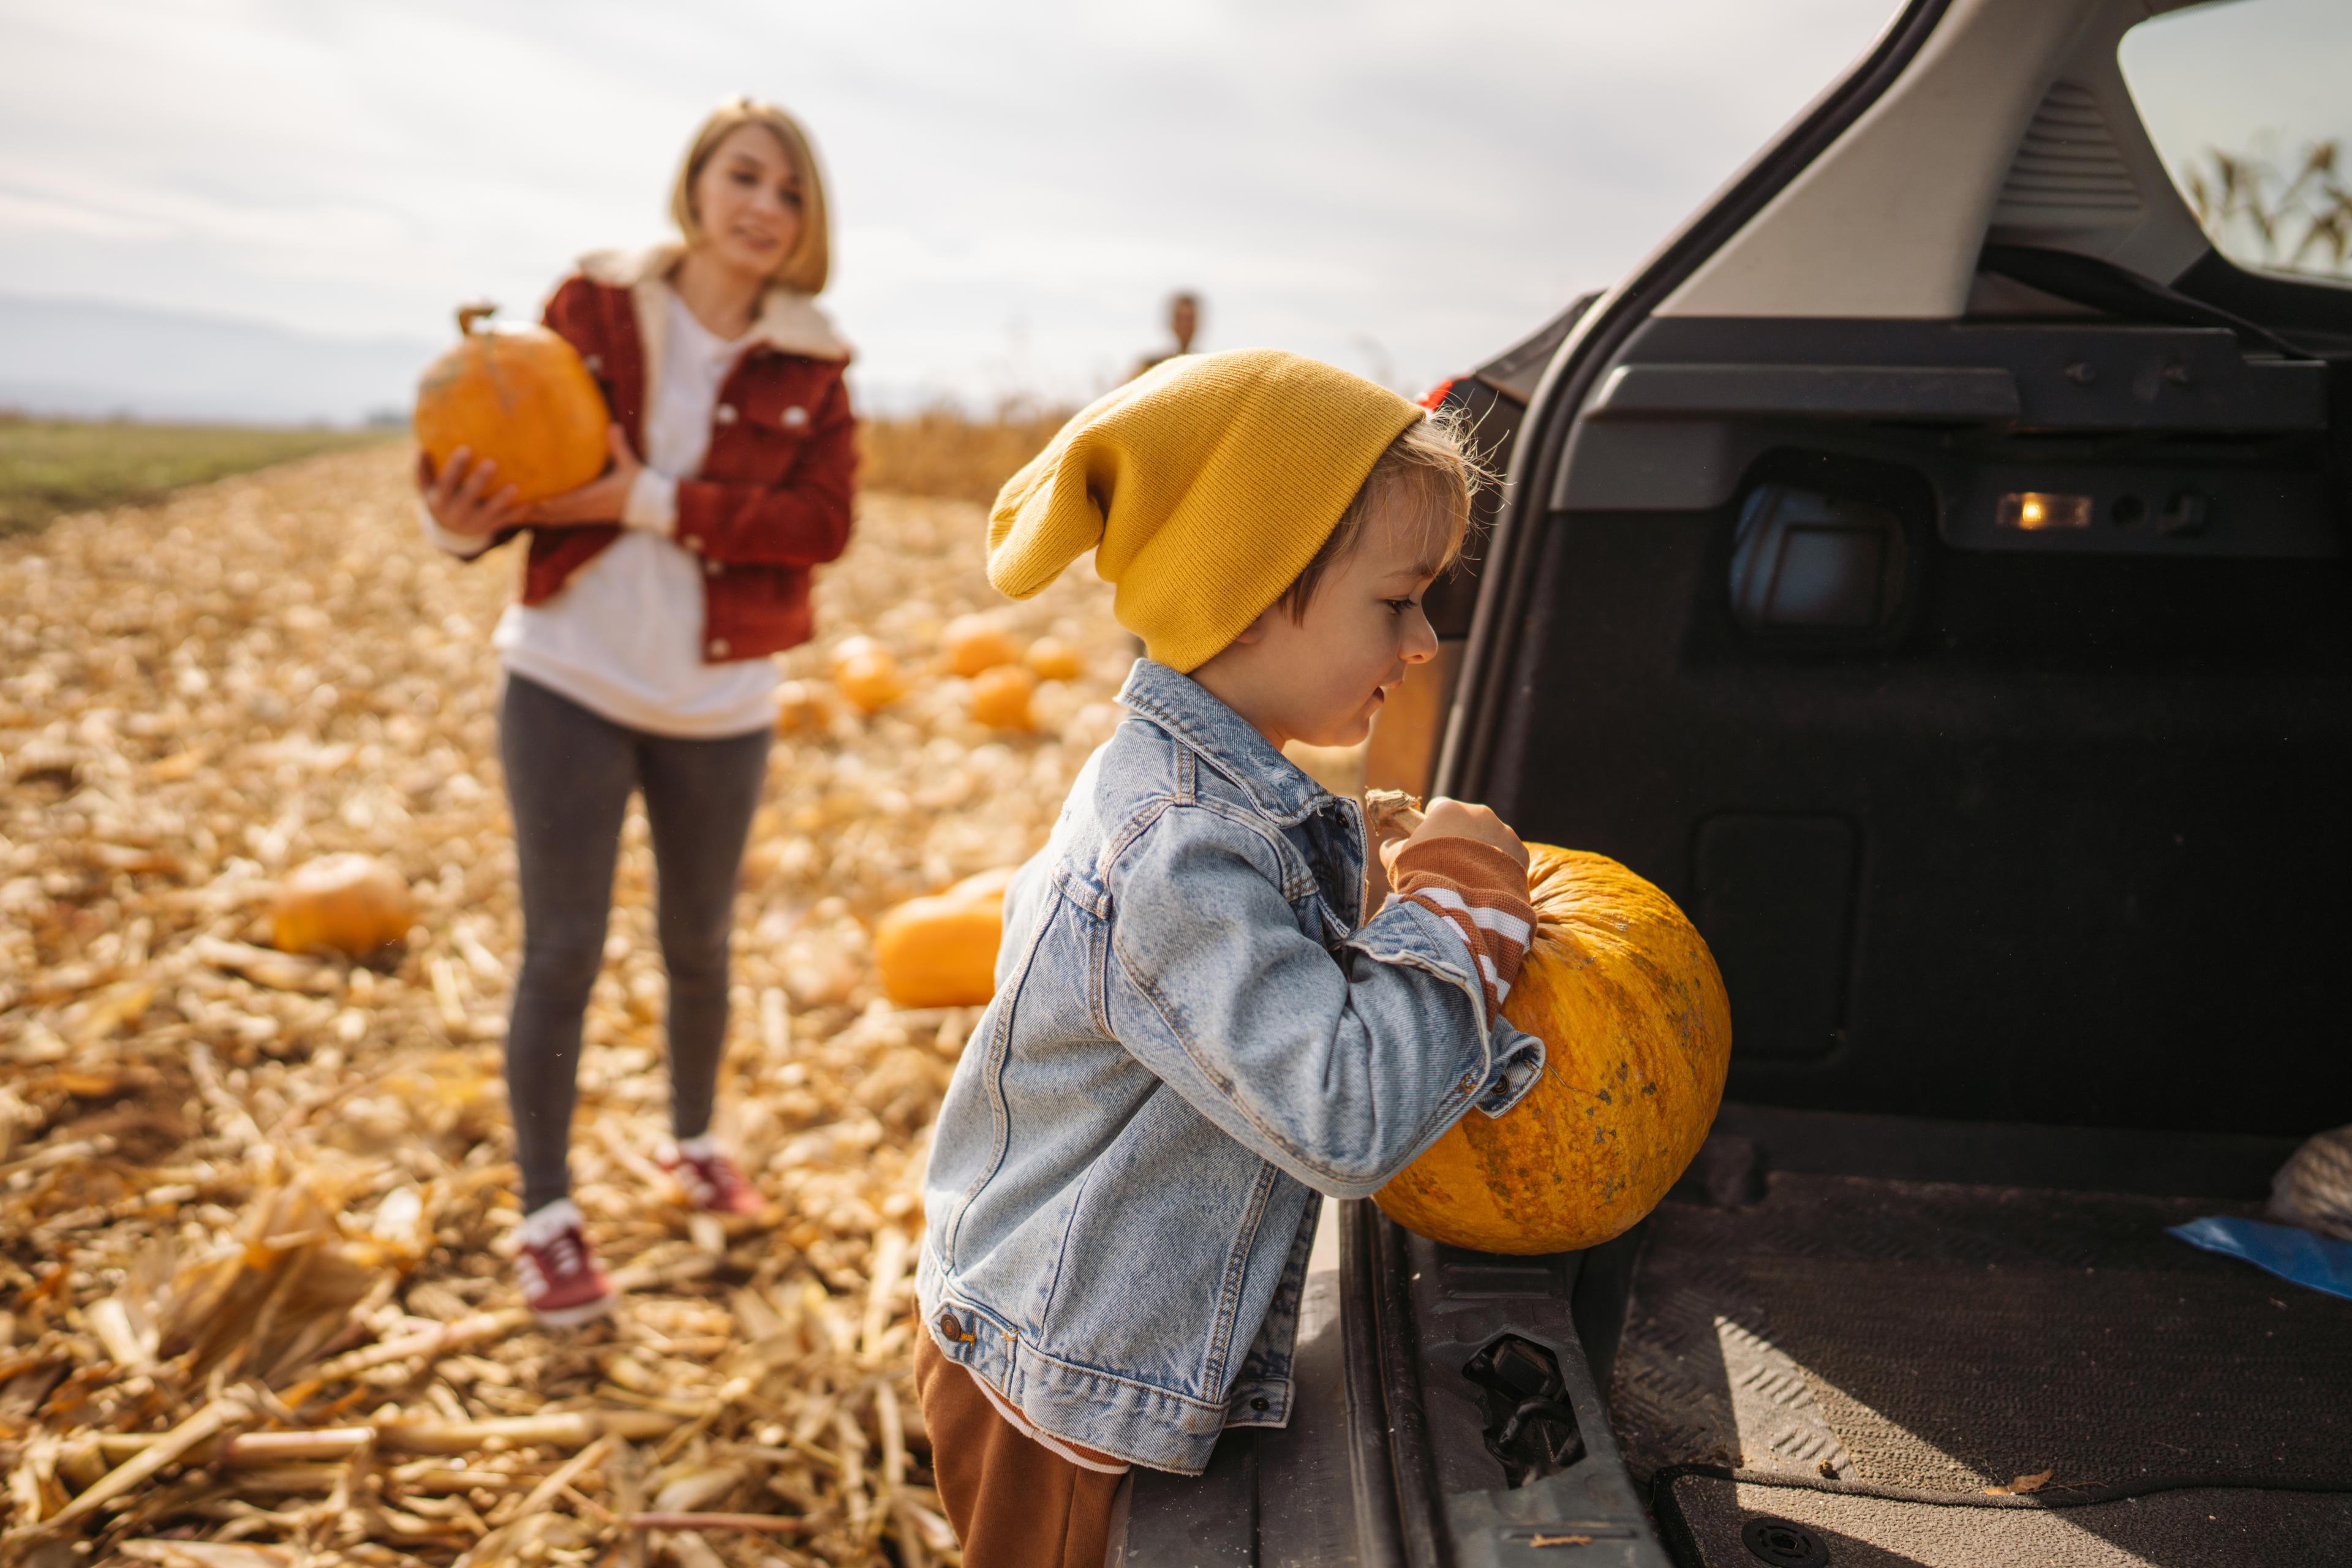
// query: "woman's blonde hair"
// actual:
[[810, 262], [1433, 468]]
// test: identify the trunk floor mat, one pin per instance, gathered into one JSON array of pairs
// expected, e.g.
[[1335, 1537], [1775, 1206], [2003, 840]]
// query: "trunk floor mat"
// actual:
[[1939, 1339], [1720, 1523]]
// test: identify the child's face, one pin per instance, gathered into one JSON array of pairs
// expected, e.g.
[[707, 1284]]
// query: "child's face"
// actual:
[[1323, 679]]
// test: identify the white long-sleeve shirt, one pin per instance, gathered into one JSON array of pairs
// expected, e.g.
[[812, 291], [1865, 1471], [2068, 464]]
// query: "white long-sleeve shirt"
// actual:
[[623, 637]]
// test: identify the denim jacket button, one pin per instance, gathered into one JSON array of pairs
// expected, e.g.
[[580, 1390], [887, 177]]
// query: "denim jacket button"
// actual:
[[1467, 1083], [1261, 1404], [951, 1329]]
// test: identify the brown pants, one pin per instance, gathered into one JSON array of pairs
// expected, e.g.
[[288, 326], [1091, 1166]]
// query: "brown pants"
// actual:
[[1014, 1503]]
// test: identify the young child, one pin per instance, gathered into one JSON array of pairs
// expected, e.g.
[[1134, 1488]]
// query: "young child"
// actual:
[[1193, 1036]]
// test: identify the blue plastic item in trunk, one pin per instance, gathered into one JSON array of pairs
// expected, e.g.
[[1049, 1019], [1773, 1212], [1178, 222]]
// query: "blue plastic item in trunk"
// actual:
[[2291, 1254]]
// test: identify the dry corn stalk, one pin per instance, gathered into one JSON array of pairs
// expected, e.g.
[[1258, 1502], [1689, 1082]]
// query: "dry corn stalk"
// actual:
[[255, 1209]]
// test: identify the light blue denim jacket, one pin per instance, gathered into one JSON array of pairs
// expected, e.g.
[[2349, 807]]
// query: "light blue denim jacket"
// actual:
[[1190, 1037]]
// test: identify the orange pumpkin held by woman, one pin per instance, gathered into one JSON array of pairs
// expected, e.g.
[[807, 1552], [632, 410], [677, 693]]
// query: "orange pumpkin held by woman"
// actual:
[[1637, 1036], [518, 396]]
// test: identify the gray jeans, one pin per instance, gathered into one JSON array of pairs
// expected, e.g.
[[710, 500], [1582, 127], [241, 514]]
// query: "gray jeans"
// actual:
[[569, 776]]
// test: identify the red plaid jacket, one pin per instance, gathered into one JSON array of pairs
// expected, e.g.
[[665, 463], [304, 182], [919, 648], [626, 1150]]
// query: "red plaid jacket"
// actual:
[[772, 498]]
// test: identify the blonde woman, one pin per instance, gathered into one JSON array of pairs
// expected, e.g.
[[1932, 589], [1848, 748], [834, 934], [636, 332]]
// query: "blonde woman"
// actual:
[[636, 658]]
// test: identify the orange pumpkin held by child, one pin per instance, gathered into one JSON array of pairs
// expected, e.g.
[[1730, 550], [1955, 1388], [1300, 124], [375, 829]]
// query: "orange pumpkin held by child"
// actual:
[[518, 396], [1637, 1037]]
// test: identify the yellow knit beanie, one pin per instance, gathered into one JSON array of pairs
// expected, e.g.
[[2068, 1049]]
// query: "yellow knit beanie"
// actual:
[[1203, 487]]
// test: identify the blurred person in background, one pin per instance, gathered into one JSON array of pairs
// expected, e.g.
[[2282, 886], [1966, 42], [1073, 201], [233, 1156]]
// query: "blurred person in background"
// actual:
[[1184, 325], [637, 656]]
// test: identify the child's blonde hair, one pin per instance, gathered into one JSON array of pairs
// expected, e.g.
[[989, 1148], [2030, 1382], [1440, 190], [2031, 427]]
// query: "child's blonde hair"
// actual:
[[811, 261], [1433, 468]]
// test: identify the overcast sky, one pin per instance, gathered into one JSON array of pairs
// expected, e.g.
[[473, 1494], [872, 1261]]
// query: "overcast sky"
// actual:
[[1399, 186]]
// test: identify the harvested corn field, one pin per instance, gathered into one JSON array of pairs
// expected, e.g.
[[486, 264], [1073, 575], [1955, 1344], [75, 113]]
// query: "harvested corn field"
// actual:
[[256, 1207]]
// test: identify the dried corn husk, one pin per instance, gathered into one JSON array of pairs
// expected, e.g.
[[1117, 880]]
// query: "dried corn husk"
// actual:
[[254, 1309]]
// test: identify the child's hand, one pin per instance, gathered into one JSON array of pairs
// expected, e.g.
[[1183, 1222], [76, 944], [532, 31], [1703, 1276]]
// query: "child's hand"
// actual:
[[1446, 818]]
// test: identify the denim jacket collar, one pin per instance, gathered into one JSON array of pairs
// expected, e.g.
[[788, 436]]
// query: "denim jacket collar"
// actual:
[[1225, 741]]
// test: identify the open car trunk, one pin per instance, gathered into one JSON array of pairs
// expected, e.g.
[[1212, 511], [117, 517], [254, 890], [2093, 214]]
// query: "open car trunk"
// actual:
[[1845, 1339], [1929, 569]]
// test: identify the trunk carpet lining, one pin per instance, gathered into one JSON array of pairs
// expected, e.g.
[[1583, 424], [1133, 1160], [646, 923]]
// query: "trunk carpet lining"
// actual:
[[1935, 1338], [1708, 1518]]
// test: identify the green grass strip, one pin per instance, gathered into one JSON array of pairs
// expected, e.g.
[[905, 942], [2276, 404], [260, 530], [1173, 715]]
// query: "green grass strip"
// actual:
[[48, 467]]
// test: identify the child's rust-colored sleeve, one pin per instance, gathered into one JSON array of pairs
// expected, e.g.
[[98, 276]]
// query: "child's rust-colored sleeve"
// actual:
[[1483, 893]]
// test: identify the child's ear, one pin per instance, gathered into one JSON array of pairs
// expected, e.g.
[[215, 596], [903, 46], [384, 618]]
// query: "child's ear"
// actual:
[[1255, 631]]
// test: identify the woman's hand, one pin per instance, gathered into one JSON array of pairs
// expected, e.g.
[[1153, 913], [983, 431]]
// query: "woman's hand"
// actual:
[[1446, 818], [601, 499], [460, 499]]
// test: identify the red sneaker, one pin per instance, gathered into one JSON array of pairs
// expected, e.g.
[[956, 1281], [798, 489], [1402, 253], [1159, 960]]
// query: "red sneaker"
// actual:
[[711, 1183], [562, 1284]]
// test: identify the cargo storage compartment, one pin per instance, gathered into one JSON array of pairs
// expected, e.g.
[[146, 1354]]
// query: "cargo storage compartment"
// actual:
[[1899, 1320]]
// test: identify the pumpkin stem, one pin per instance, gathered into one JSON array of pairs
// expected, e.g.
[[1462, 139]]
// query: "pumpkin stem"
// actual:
[[479, 310], [1388, 811]]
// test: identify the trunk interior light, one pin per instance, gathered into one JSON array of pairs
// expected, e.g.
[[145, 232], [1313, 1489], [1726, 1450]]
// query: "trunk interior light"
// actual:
[[2036, 511]]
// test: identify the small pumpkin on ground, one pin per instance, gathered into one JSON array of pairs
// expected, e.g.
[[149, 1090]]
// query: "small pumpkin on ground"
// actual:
[[870, 678], [1637, 1037], [851, 648], [802, 707], [351, 904], [974, 643], [518, 396], [1000, 696], [1051, 658], [940, 951]]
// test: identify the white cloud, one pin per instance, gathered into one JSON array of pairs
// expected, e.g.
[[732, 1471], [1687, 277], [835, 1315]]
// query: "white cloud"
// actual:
[[1018, 185], [24, 214]]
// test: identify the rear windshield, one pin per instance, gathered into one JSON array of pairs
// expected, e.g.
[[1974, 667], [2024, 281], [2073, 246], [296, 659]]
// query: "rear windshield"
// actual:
[[2249, 104]]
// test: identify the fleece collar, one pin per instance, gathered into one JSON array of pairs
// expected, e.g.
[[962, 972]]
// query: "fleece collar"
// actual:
[[789, 320]]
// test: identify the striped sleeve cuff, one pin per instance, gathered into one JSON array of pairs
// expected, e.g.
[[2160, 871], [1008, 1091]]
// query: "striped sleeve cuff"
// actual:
[[1482, 893]]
